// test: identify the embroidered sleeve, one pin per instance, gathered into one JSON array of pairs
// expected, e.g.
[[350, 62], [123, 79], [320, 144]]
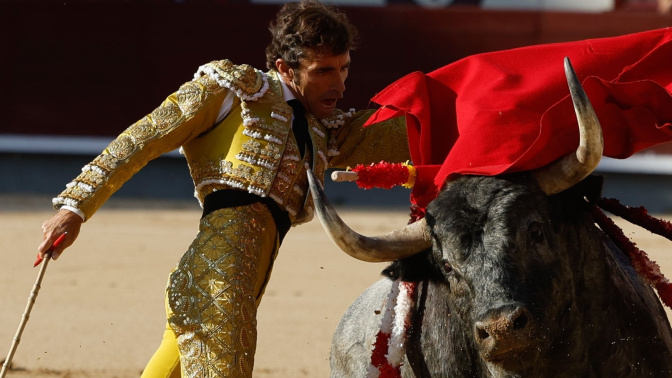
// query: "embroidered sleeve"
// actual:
[[351, 144], [184, 115]]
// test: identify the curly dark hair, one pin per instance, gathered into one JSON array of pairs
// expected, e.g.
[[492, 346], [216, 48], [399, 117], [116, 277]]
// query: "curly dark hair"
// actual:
[[308, 25]]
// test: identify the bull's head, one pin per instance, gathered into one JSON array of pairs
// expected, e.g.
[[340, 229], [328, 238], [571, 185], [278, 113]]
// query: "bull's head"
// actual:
[[509, 259], [414, 238]]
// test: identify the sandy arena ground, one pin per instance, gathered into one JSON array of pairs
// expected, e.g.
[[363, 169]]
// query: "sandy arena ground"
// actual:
[[100, 311]]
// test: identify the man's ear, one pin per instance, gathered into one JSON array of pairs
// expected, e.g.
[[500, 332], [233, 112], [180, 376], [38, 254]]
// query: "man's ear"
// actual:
[[285, 71]]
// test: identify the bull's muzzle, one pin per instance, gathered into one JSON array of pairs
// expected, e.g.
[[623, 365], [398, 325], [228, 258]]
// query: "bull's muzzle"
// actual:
[[507, 337]]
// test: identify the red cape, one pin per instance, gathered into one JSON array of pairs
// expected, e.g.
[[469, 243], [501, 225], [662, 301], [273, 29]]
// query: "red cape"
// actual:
[[510, 111]]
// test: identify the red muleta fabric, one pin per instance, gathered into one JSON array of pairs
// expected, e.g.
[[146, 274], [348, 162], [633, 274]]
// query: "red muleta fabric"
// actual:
[[510, 111]]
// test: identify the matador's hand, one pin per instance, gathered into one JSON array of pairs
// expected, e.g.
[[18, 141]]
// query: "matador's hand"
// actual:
[[52, 228]]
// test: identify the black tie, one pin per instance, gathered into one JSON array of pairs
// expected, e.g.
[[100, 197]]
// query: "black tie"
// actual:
[[300, 126]]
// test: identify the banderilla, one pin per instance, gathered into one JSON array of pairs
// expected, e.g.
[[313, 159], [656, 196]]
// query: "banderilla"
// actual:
[[29, 306]]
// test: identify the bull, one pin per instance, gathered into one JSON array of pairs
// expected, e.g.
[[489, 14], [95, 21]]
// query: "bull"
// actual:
[[515, 279]]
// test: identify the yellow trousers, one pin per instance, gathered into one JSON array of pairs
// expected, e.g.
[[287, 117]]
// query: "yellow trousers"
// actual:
[[213, 294]]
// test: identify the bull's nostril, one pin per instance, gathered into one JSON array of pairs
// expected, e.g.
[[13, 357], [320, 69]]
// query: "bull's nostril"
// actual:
[[520, 322], [482, 334]]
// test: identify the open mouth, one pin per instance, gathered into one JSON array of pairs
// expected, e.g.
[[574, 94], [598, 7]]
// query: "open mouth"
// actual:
[[329, 103]]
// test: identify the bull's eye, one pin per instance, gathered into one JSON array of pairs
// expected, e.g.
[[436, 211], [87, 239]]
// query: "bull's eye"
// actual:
[[465, 240], [447, 267], [535, 232]]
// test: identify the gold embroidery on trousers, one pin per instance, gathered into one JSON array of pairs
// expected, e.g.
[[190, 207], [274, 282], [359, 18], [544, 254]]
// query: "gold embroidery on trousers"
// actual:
[[211, 294]]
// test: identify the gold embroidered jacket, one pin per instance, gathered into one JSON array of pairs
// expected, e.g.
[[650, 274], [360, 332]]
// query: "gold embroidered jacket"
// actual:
[[251, 149]]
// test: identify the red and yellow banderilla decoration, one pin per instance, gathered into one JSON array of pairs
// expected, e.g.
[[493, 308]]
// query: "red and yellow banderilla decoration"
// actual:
[[381, 175]]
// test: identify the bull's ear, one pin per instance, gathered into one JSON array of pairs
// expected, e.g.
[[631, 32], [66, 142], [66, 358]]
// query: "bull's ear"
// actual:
[[415, 268], [579, 198]]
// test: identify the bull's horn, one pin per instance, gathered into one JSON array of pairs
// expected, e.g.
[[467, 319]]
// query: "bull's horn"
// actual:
[[395, 245], [570, 169]]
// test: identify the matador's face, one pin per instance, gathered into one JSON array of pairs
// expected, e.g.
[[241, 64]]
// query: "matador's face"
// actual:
[[320, 81]]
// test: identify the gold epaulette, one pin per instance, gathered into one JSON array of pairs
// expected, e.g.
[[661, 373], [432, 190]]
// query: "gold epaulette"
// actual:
[[245, 81]]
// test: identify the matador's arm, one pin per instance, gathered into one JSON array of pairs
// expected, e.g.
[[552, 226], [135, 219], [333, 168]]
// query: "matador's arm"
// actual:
[[184, 115]]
